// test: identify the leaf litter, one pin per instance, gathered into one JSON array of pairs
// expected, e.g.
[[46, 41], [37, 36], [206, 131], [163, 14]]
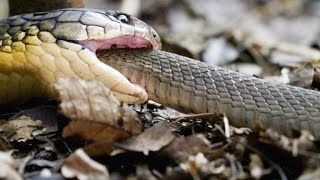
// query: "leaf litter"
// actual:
[[95, 112], [137, 142], [21, 129], [79, 165]]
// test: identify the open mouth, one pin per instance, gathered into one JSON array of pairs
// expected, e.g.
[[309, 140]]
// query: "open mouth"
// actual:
[[125, 90], [118, 42]]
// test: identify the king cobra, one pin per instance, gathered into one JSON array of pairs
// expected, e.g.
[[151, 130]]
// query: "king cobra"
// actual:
[[38, 48]]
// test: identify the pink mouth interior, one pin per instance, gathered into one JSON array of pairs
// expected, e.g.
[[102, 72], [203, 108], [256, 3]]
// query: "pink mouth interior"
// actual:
[[118, 42]]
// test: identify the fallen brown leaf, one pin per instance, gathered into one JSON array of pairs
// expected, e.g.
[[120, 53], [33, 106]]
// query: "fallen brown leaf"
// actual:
[[181, 148], [153, 139], [94, 131], [46, 113], [4, 144], [79, 165], [21, 129], [87, 100], [96, 113], [302, 76], [99, 148]]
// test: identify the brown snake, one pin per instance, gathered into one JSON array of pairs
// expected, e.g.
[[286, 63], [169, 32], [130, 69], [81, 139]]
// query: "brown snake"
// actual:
[[38, 48], [189, 85]]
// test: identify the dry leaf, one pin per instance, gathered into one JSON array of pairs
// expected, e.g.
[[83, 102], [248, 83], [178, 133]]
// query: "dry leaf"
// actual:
[[96, 113], [94, 131], [302, 76], [99, 148], [21, 129], [46, 113], [79, 165], [4, 144], [186, 146], [7, 167], [87, 100], [153, 139]]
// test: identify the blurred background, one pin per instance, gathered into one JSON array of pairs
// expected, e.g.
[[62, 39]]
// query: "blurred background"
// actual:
[[273, 39], [277, 40]]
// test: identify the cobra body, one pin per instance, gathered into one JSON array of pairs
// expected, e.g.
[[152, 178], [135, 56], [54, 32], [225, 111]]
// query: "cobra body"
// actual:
[[38, 48]]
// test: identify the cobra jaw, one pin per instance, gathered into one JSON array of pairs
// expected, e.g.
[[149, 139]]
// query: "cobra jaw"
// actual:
[[122, 88], [92, 68]]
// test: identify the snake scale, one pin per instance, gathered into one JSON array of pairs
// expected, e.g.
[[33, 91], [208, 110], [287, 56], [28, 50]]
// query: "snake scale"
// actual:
[[38, 48]]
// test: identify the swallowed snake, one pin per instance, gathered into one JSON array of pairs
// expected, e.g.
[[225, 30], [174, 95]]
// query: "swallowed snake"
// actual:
[[38, 48]]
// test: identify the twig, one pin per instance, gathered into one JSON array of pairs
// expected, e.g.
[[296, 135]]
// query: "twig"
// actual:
[[226, 127], [192, 116]]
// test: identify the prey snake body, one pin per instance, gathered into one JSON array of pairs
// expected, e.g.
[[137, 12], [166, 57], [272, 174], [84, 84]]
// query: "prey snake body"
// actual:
[[38, 48]]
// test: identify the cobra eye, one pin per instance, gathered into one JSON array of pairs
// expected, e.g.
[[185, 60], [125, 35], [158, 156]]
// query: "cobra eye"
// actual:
[[123, 18]]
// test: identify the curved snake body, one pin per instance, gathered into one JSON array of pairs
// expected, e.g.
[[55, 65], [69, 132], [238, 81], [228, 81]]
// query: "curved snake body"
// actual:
[[38, 48], [189, 85]]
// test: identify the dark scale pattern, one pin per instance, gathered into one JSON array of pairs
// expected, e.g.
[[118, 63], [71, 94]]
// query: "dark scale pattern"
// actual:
[[191, 86], [65, 24]]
